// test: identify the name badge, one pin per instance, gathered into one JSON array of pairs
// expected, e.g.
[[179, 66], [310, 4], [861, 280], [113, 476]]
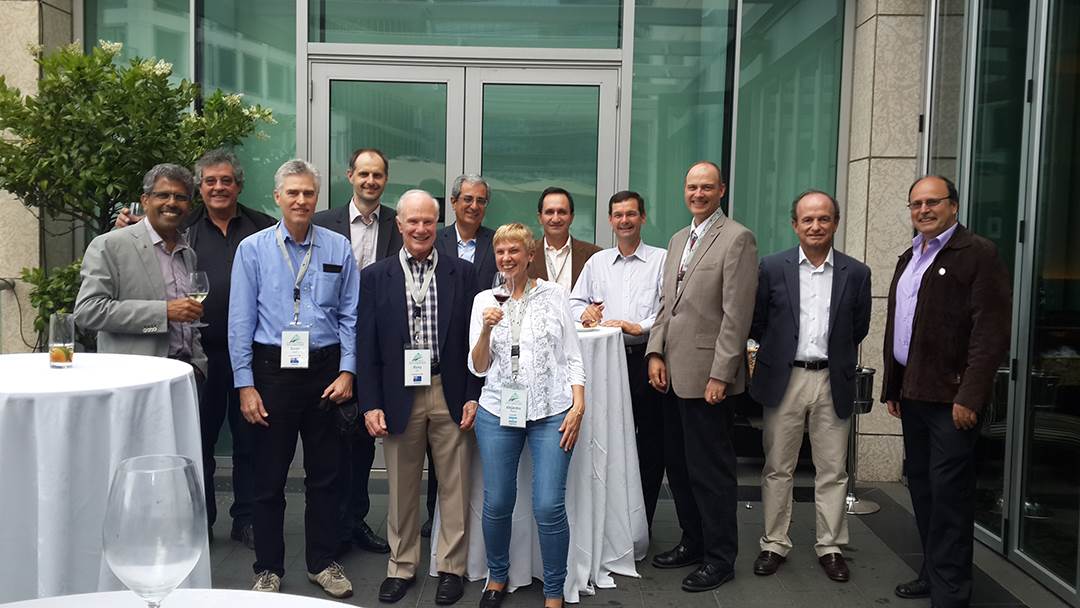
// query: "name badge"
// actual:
[[512, 410], [417, 367], [295, 348]]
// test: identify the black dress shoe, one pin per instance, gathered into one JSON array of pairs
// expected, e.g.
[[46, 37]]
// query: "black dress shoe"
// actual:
[[393, 589], [365, 538], [913, 589], [835, 567], [707, 577], [492, 598], [244, 533], [425, 530], [449, 590], [767, 563], [679, 557]]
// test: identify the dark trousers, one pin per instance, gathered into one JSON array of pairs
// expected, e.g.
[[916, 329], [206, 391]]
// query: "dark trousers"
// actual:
[[291, 398], [432, 485], [649, 427], [218, 401], [354, 470], [702, 477], [939, 463]]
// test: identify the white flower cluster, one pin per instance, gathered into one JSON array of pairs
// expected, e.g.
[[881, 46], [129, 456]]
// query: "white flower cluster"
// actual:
[[110, 47]]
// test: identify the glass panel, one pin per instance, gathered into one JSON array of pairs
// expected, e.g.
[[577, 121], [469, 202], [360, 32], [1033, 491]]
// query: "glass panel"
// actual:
[[946, 101], [537, 136], [405, 120], [158, 29], [1051, 508], [789, 112], [515, 23], [683, 73], [993, 199], [254, 53]]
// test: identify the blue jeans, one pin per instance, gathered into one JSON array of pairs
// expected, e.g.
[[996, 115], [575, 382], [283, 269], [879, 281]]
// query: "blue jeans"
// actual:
[[500, 450]]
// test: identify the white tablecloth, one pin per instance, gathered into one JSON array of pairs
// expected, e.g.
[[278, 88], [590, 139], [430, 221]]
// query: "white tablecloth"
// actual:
[[608, 530], [187, 598], [62, 434]]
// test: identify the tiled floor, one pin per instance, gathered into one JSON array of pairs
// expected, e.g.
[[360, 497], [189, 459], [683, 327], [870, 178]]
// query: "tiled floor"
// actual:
[[881, 554]]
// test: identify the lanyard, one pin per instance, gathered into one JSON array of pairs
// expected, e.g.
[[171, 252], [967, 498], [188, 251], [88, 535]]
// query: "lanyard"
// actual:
[[418, 293], [299, 275], [517, 317], [555, 276]]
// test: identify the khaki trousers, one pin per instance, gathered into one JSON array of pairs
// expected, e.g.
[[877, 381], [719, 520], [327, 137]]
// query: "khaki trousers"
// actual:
[[808, 396], [452, 450]]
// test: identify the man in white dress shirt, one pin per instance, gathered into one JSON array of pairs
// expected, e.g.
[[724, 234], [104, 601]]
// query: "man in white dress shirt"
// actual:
[[620, 287], [563, 256]]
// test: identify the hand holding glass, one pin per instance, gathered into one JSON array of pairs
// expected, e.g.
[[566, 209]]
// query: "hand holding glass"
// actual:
[[501, 287], [198, 290]]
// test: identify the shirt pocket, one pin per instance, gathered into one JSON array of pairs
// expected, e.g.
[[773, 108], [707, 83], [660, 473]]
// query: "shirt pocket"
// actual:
[[328, 289]]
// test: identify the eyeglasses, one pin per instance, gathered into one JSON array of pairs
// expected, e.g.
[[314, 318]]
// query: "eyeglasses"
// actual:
[[928, 203], [468, 200], [167, 196], [213, 181]]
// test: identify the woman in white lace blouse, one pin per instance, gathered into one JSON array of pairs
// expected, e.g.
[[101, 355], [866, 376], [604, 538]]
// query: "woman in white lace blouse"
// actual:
[[528, 352]]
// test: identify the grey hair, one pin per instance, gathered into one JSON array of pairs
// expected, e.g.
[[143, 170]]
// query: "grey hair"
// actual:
[[170, 172], [296, 166], [219, 156], [417, 192], [468, 178]]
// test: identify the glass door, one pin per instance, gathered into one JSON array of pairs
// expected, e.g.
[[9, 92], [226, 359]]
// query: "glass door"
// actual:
[[413, 114], [527, 129]]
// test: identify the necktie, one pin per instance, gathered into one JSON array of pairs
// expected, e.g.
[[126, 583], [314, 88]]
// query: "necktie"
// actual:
[[689, 256]]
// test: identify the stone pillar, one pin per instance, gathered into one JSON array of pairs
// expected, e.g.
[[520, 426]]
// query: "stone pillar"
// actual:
[[884, 145], [25, 23]]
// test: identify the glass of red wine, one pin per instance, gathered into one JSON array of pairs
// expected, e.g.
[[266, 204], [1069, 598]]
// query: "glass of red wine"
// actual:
[[501, 287]]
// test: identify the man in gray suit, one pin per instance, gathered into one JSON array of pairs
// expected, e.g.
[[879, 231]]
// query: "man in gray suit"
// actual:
[[135, 280], [812, 311], [697, 348]]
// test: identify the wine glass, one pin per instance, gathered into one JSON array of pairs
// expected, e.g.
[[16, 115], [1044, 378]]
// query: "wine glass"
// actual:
[[596, 296], [198, 289], [501, 287], [155, 524]]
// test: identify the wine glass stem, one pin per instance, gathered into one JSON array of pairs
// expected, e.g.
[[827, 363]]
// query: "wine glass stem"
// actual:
[[152, 604]]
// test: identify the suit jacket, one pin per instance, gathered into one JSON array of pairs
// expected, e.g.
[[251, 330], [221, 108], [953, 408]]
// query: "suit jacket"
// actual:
[[580, 252], [483, 261], [961, 330], [384, 330], [776, 326], [701, 329], [122, 296], [337, 219]]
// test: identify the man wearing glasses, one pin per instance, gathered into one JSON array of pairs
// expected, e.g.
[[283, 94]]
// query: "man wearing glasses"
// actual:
[[135, 280], [946, 333]]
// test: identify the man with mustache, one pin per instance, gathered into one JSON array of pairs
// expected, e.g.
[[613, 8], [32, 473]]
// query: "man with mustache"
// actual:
[[564, 256], [292, 340]]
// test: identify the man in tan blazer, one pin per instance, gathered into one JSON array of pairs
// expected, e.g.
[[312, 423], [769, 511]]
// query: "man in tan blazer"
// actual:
[[563, 256], [696, 355]]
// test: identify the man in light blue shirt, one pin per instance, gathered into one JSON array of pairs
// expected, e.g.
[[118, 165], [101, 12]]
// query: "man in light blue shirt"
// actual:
[[620, 287], [292, 341]]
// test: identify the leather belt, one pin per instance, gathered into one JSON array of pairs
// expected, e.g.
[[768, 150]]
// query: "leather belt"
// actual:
[[812, 366]]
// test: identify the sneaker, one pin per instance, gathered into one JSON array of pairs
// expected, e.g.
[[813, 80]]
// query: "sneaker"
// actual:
[[333, 581], [267, 581]]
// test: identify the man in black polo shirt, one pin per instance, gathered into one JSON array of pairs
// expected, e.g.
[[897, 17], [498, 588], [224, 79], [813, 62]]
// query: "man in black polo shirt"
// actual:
[[214, 230]]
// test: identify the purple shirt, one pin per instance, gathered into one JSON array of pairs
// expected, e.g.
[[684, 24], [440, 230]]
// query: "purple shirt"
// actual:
[[175, 274], [907, 290]]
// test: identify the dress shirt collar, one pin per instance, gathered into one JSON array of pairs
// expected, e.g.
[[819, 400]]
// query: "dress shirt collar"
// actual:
[[460, 240], [156, 239], [288, 235], [828, 258], [565, 247], [940, 240], [642, 253], [703, 227], [411, 259], [355, 214]]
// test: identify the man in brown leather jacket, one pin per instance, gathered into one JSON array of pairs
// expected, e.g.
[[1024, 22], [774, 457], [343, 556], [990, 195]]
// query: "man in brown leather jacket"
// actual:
[[947, 332]]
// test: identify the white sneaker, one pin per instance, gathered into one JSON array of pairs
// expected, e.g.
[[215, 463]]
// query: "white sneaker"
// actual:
[[267, 581], [332, 580]]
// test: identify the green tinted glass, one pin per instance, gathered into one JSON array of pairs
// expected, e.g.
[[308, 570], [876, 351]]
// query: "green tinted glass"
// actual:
[[254, 53], [681, 103], [159, 29], [789, 109], [537, 136], [516, 23], [405, 120]]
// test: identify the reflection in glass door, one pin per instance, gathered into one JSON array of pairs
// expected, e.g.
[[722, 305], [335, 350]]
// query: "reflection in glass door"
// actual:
[[1048, 511]]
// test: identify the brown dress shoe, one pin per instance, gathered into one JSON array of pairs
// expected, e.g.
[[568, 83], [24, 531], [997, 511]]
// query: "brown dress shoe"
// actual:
[[835, 567], [767, 563]]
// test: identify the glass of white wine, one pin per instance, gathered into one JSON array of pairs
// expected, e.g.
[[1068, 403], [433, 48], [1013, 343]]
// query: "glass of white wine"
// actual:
[[198, 290]]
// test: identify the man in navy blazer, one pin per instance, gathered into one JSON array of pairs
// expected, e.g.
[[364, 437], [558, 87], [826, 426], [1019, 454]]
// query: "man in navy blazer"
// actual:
[[467, 238], [371, 228], [405, 313], [811, 313]]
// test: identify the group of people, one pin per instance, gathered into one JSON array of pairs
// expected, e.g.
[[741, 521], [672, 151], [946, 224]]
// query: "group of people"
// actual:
[[348, 325]]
